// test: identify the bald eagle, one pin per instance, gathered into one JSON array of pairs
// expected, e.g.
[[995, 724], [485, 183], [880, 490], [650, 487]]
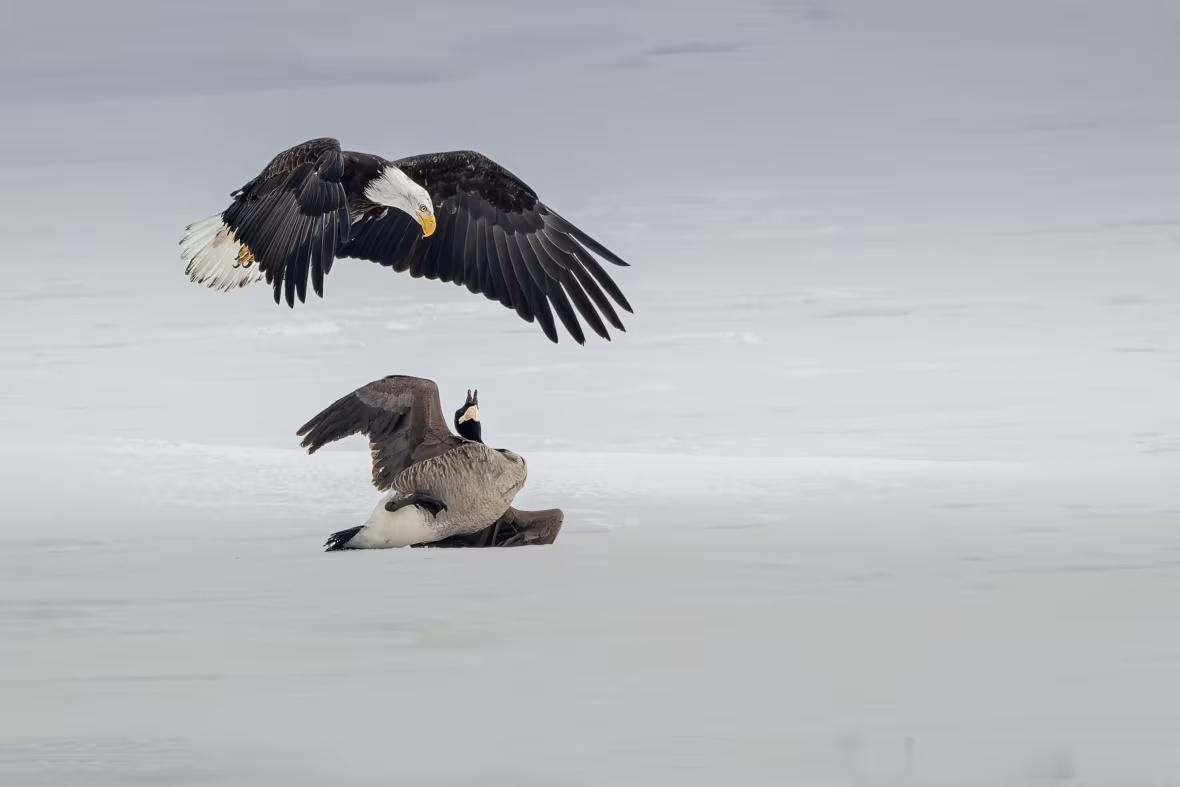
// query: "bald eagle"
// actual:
[[457, 217]]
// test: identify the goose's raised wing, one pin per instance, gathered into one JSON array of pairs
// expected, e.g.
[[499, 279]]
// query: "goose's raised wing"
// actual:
[[401, 416], [497, 238]]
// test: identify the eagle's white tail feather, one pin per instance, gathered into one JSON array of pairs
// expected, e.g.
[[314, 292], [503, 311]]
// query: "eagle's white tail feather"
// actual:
[[197, 235], [215, 258]]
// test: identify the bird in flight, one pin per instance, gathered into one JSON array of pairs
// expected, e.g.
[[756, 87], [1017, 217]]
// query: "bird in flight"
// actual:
[[456, 217]]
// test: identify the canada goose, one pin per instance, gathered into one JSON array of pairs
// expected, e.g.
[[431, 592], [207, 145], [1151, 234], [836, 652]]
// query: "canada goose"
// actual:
[[457, 217], [441, 485]]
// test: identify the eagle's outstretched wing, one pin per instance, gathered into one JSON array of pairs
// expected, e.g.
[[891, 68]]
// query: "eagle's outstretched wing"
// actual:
[[497, 238], [282, 225]]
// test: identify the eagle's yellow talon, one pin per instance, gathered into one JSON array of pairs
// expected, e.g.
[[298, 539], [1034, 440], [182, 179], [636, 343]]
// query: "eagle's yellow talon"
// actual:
[[245, 257]]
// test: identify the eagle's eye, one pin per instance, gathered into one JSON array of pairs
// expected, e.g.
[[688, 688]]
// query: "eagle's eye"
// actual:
[[422, 208]]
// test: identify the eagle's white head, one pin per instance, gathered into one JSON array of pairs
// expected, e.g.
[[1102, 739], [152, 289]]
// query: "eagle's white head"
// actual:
[[394, 188]]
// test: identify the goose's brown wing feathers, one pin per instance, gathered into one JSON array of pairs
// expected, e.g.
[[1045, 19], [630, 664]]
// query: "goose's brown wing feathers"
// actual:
[[401, 416]]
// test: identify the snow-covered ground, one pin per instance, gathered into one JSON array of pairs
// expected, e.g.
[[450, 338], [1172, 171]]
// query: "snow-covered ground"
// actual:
[[880, 488], [893, 648], [837, 583]]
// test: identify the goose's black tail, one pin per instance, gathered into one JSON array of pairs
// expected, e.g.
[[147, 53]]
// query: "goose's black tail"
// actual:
[[336, 541]]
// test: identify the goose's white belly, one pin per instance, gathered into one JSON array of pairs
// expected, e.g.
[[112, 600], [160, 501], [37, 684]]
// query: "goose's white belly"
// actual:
[[400, 528]]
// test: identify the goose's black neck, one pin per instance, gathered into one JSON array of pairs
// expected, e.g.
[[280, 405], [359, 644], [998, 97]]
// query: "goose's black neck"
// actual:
[[467, 418], [469, 430]]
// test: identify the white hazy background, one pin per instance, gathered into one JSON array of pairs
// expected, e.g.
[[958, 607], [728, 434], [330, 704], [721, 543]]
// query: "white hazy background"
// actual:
[[880, 488]]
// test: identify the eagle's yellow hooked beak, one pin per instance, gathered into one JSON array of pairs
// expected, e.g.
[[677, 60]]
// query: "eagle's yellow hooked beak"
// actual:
[[428, 224]]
